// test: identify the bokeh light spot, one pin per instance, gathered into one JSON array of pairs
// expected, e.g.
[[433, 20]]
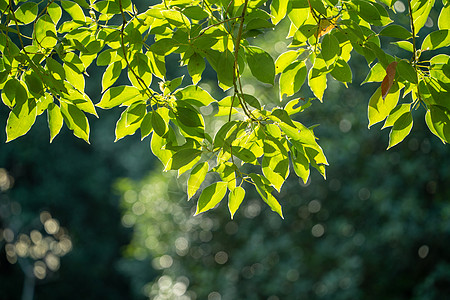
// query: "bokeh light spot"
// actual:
[[221, 257], [318, 230]]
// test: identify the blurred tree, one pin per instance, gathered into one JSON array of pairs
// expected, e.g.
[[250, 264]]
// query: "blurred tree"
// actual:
[[377, 228]]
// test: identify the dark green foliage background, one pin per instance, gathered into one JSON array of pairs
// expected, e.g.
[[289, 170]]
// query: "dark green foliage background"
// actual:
[[378, 208]]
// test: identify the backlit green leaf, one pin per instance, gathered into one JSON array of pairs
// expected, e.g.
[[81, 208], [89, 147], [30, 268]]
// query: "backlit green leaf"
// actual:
[[182, 158], [26, 13], [406, 71], [45, 32], [146, 125], [122, 129], [196, 178], [342, 71], [265, 191], [261, 64], [196, 66], [20, 119], [55, 120], [402, 127], [211, 196], [380, 108], [235, 198], [119, 95], [444, 20], [330, 49], [278, 10], [438, 120], [13, 93], [76, 121], [317, 85], [158, 123], [436, 39], [292, 78], [396, 31], [284, 60]]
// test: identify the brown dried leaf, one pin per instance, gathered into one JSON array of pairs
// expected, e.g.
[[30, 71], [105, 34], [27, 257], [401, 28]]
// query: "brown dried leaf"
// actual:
[[388, 80]]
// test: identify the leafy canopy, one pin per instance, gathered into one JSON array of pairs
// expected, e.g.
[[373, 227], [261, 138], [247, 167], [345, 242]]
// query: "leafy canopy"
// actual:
[[46, 48]]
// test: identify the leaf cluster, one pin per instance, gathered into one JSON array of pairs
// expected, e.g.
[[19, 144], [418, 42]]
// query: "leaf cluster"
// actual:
[[46, 72]]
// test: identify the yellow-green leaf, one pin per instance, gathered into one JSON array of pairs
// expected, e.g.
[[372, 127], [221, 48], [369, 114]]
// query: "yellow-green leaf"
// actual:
[[196, 178], [20, 119], [235, 198], [211, 196], [55, 120]]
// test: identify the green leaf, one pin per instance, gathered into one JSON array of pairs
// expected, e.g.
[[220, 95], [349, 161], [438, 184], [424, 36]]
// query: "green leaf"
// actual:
[[26, 13], [396, 31], [45, 32], [284, 60], [55, 120], [235, 198], [146, 125], [140, 68], [170, 86], [278, 10], [13, 93], [122, 129], [420, 12], [438, 121], [135, 113], [406, 71], [405, 45], [376, 74], [297, 105], [195, 12], [20, 119], [182, 158], [211, 196], [194, 95], [163, 47], [227, 172], [252, 101], [444, 20], [300, 163], [367, 11], [265, 191], [317, 85], [158, 123], [342, 71], [275, 163], [76, 121], [55, 12], [292, 78], [119, 95], [196, 66], [111, 74], [379, 109], [74, 10], [223, 64], [196, 178], [261, 64], [330, 49], [402, 127], [436, 39], [396, 113], [75, 78]]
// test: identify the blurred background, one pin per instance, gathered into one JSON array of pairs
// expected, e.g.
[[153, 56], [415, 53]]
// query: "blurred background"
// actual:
[[102, 221]]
